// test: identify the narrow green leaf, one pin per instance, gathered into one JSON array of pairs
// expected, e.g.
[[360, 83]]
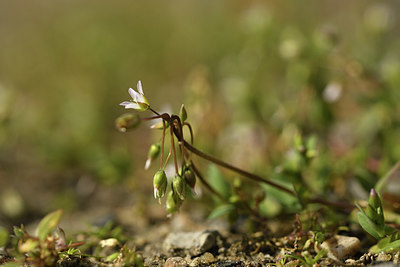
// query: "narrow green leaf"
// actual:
[[221, 210], [48, 224], [369, 226], [383, 181], [112, 257], [217, 181]]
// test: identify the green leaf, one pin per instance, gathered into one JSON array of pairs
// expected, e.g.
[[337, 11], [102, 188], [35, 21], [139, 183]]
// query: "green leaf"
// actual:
[[383, 181], [12, 264], [221, 210], [4, 237], [369, 226], [383, 245], [218, 182], [48, 224], [112, 257], [19, 232]]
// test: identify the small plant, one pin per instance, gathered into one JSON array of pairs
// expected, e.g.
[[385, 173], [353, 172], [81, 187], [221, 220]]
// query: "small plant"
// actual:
[[187, 173], [44, 248], [372, 220]]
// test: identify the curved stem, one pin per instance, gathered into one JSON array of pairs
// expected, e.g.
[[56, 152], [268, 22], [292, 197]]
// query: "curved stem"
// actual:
[[190, 130], [173, 145], [344, 206], [162, 144], [179, 126], [235, 169], [204, 182]]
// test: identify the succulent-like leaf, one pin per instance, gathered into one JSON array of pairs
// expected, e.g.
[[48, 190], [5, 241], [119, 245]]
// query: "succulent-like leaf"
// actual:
[[48, 224]]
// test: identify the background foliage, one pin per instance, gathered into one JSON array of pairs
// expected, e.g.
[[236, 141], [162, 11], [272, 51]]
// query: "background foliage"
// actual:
[[251, 74]]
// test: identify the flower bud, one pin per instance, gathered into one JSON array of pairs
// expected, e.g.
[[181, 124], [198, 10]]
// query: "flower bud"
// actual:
[[154, 152], [189, 177], [374, 199], [127, 121], [374, 209], [183, 114], [173, 202], [160, 183], [159, 125], [179, 186]]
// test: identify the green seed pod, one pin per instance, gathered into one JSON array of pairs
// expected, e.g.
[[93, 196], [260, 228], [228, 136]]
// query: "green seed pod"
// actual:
[[173, 203], [154, 152], [183, 114], [189, 176], [160, 183], [127, 121], [179, 186]]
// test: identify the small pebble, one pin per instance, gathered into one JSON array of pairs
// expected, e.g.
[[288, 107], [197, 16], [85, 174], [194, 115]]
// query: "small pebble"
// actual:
[[340, 247], [206, 258], [194, 243], [383, 257], [175, 262]]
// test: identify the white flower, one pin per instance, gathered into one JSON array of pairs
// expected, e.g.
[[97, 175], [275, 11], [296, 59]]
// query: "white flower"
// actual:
[[139, 101]]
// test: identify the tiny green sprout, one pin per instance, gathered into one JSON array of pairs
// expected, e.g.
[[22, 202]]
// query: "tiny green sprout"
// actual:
[[173, 202], [139, 101], [189, 176], [153, 154], [160, 183], [183, 113], [127, 121], [179, 186], [372, 219]]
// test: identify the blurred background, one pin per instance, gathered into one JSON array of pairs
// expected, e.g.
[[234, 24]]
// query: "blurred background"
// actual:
[[252, 74]]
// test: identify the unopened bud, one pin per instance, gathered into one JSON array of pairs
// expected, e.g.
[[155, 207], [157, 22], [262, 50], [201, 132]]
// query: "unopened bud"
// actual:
[[159, 126], [179, 186], [374, 199], [173, 202], [189, 177], [160, 183], [127, 121], [183, 114], [154, 152]]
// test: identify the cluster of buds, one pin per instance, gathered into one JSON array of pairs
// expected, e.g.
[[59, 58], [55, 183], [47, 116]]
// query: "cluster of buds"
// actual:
[[180, 185]]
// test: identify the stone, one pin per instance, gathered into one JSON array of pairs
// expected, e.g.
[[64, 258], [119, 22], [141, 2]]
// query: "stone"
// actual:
[[175, 262], [383, 257], [194, 243], [205, 259], [340, 247]]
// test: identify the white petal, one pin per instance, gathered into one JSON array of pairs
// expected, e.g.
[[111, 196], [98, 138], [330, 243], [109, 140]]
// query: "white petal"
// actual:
[[155, 193], [148, 163], [140, 98], [133, 105], [125, 103], [139, 87], [133, 94]]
